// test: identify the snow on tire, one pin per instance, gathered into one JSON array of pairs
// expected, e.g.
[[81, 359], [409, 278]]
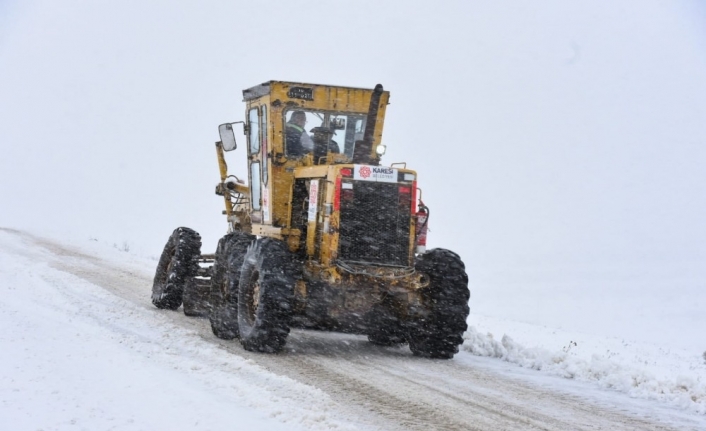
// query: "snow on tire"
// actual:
[[439, 333], [177, 266], [265, 294], [384, 329], [196, 297], [224, 284]]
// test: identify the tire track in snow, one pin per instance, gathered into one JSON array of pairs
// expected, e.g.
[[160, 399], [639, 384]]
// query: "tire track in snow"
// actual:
[[385, 388]]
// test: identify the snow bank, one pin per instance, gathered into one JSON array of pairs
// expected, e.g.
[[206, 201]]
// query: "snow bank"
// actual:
[[687, 392]]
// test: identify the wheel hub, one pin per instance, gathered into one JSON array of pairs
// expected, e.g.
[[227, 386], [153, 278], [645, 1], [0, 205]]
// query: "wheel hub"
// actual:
[[224, 289], [254, 297], [170, 266]]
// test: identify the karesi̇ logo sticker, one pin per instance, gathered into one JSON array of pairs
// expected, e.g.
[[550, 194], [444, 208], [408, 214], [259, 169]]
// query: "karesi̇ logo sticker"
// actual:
[[364, 171], [381, 174]]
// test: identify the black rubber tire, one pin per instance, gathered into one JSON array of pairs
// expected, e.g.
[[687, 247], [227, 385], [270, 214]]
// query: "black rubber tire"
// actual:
[[196, 297], [265, 295], [440, 332], [177, 266], [387, 338], [384, 328], [225, 276]]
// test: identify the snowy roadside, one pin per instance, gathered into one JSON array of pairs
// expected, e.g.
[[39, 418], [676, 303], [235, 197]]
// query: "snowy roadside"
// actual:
[[634, 327], [648, 371], [88, 356], [78, 357]]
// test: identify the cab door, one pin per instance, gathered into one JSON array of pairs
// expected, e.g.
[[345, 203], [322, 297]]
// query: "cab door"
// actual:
[[258, 166]]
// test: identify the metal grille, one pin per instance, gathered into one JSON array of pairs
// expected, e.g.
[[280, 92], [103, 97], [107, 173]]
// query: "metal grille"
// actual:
[[375, 224]]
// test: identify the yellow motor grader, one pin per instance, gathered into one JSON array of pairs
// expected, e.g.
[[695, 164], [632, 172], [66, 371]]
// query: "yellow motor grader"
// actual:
[[322, 236]]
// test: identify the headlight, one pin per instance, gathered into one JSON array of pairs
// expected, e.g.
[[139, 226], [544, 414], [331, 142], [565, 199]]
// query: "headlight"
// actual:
[[380, 150]]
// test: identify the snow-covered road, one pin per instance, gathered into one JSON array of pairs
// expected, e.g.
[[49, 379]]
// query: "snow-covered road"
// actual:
[[83, 348]]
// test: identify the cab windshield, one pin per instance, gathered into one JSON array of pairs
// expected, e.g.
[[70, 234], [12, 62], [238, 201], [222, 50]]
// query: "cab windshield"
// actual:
[[322, 132]]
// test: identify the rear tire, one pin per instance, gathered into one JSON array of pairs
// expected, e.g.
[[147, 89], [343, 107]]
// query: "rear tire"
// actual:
[[439, 333], [177, 267], [265, 295], [196, 297], [387, 339], [384, 328], [224, 284]]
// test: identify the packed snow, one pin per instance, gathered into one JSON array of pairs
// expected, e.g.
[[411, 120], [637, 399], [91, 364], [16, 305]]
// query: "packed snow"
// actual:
[[79, 357], [63, 367]]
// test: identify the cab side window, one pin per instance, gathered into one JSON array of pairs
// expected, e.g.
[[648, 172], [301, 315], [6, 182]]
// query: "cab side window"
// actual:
[[263, 131], [254, 127]]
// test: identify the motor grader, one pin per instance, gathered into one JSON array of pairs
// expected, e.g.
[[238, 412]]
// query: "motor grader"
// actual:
[[322, 236]]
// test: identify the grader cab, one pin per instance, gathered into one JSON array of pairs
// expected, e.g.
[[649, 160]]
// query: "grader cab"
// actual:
[[322, 236]]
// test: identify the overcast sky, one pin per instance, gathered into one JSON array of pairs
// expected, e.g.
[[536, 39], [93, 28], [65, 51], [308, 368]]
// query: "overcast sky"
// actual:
[[544, 133]]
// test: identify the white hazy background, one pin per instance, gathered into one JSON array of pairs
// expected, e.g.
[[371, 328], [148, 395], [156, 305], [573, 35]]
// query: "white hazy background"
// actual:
[[560, 145]]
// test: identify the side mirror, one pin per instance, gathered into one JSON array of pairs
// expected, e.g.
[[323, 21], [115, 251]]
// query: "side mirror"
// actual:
[[227, 136]]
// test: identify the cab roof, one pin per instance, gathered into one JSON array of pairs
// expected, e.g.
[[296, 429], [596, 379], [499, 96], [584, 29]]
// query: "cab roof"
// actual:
[[266, 88]]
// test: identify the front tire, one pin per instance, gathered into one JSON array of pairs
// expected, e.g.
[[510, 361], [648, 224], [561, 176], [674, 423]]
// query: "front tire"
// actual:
[[177, 267], [265, 294], [224, 284], [439, 333]]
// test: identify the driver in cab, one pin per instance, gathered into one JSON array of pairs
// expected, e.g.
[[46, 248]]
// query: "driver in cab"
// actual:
[[298, 141]]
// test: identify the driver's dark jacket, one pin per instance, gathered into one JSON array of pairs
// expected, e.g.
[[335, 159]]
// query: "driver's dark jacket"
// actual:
[[294, 141]]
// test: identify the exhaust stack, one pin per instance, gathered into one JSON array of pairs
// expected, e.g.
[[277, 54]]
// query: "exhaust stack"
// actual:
[[363, 153]]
